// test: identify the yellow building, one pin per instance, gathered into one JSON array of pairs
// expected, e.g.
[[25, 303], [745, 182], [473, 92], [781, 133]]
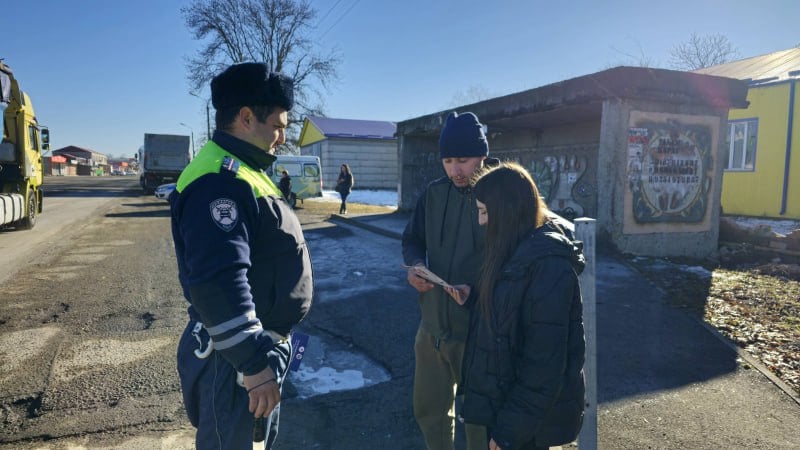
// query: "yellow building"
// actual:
[[762, 156]]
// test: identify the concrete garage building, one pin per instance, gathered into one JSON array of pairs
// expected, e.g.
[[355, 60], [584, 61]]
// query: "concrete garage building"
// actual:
[[368, 146], [638, 149]]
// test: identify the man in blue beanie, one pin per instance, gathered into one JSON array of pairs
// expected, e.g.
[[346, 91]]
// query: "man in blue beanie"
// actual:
[[443, 234]]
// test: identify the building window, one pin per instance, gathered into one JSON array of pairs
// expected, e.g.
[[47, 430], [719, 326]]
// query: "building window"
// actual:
[[741, 145]]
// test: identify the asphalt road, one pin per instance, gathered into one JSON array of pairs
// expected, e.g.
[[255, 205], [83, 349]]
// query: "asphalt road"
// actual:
[[90, 318], [91, 311]]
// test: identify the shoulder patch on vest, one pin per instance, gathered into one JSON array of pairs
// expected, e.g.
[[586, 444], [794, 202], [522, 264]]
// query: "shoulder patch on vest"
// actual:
[[230, 164], [224, 213]]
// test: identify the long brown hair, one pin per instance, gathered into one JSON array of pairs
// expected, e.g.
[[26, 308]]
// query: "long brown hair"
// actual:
[[346, 168], [514, 207]]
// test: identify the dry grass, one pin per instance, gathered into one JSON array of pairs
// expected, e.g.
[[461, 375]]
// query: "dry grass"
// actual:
[[319, 207]]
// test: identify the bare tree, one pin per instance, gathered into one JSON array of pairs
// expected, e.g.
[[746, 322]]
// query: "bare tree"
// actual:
[[474, 94], [275, 32], [702, 51], [630, 58]]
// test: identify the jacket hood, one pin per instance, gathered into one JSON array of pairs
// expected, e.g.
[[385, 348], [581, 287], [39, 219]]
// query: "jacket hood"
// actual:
[[545, 241]]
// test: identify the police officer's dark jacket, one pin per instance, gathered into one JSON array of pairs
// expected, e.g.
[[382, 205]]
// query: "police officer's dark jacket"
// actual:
[[524, 378], [242, 258]]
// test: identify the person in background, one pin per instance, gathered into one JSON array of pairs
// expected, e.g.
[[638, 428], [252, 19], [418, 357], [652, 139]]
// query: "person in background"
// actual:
[[243, 264], [344, 185], [523, 362], [443, 234], [285, 186]]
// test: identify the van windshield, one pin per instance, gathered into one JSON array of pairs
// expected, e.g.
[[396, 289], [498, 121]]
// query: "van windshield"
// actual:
[[292, 168], [311, 170]]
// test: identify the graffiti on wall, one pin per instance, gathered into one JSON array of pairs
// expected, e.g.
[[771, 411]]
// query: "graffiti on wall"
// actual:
[[563, 175], [668, 168], [557, 178]]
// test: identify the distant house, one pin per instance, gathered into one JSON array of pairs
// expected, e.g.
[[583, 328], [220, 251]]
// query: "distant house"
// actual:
[[87, 162], [762, 171], [369, 147], [57, 165]]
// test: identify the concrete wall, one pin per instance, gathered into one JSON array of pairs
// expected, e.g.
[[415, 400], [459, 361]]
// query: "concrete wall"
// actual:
[[562, 161], [373, 162], [419, 165], [653, 204], [582, 170], [638, 149]]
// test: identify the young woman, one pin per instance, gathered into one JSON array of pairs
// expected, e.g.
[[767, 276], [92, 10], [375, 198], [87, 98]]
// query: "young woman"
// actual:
[[523, 361], [344, 185]]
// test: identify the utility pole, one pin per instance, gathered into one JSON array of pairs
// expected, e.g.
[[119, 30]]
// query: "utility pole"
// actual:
[[208, 115], [191, 134]]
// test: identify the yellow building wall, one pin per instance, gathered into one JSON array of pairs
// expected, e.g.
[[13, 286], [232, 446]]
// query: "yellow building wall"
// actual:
[[759, 193]]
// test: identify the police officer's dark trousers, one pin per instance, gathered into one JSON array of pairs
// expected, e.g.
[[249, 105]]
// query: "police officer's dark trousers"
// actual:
[[215, 403]]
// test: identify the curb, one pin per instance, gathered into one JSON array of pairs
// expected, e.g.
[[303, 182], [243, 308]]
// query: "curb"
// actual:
[[752, 361], [360, 224]]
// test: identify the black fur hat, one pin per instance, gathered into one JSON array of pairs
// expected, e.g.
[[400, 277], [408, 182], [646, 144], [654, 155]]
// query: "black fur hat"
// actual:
[[251, 84]]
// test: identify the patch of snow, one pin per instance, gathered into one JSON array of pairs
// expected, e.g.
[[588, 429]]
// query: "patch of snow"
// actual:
[[702, 272], [366, 197], [316, 374], [780, 226]]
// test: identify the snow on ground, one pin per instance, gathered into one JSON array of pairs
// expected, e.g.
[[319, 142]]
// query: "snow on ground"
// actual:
[[780, 226], [367, 197]]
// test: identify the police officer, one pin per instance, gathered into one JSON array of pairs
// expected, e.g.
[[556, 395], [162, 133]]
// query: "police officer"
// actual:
[[243, 264]]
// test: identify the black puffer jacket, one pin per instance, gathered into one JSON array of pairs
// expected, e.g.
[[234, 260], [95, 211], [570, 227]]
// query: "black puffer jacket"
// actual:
[[524, 378]]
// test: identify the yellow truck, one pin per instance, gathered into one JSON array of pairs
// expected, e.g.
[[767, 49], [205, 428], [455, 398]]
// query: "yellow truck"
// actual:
[[21, 165]]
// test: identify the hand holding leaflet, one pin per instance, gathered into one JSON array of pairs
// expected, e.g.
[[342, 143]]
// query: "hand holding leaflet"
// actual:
[[423, 272]]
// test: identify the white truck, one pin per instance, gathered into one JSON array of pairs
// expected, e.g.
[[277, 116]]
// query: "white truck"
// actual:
[[162, 158]]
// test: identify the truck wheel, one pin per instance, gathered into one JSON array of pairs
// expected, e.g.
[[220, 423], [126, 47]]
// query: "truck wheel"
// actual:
[[30, 220]]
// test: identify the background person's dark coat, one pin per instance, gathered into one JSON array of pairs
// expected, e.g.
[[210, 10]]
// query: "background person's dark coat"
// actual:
[[345, 184]]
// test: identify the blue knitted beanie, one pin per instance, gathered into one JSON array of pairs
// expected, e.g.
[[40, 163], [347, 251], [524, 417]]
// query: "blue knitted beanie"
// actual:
[[462, 137]]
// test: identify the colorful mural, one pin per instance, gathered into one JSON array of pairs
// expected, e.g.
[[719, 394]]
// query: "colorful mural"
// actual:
[[670, 160]]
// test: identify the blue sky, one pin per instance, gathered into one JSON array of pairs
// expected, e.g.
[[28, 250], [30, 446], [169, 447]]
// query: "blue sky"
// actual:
[[102, 73]]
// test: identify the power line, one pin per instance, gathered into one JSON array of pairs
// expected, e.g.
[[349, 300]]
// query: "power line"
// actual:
[[340, 18], [329, 11]]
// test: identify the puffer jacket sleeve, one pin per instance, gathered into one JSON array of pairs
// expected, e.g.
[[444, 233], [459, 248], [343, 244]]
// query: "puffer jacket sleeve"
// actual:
[[543, 337]]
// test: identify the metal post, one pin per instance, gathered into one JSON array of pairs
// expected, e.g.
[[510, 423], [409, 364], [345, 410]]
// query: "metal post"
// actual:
[[191, 135], [585, 231], [208, 122], [208, 115]]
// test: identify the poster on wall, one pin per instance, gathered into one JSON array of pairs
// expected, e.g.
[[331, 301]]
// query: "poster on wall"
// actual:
[[670, 167]]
